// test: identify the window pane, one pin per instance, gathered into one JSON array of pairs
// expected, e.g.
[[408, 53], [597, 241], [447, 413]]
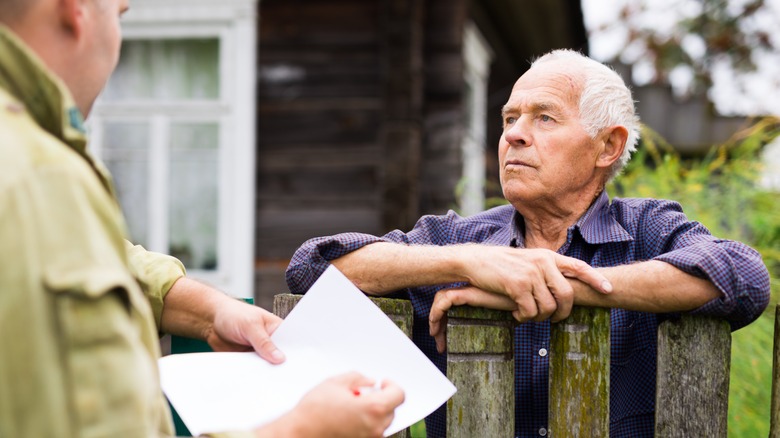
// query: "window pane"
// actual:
[[166, 70], [125, 153], [193, 194]]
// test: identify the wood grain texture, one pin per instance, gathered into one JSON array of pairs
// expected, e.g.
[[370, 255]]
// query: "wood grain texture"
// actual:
[[579, 374], [694, 360], [480, 364]]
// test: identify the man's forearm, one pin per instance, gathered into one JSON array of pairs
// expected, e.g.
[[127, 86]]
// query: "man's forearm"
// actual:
[[651, 286], [381, 268], [189, 308]]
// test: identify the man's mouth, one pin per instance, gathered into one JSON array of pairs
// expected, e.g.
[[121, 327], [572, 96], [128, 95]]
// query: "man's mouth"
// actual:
[[516, 164]]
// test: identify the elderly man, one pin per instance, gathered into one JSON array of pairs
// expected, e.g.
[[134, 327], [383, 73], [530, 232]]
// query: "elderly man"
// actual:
[[79, 344], [569, 126]]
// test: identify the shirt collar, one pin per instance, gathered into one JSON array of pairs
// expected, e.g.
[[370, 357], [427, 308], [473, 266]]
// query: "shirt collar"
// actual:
[[596, 226]]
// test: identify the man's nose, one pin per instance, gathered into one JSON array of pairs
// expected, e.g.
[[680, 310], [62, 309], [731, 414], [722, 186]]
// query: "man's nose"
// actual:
[[518, 134]]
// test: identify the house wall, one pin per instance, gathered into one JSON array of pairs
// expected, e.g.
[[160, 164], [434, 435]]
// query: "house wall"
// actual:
[[358, 121]]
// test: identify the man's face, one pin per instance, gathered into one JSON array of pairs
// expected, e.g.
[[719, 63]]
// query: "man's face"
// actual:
[[545, 154], [103, 38]]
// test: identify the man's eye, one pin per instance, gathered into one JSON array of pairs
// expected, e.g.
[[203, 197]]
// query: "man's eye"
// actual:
[[546, 118], [510, 120]]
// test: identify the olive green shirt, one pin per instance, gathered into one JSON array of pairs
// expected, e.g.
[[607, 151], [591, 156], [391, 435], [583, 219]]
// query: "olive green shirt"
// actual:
[[78, 304]]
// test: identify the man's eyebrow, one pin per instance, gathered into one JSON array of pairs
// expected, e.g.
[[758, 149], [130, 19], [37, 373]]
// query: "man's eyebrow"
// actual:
[[537, 107], [545, 107]]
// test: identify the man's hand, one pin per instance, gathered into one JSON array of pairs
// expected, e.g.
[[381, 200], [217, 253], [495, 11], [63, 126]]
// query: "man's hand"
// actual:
[[535, 279], [242, 327], [467, 295], [198, 311], [332, 409]]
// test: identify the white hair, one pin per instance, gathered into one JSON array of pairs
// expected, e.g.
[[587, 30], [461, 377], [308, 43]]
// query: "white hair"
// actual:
[[605, 101]]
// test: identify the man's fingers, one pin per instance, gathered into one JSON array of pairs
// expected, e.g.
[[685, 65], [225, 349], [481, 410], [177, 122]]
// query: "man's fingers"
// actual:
[[560, 292], [459, 296], [272, 322], [582, 271], [437, 319], [262, 344], [391, 393]]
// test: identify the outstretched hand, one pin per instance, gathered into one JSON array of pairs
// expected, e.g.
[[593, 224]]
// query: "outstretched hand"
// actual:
[[243, 327]]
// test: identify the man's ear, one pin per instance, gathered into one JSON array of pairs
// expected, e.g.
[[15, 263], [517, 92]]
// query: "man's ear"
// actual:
[[614, 143], [71, 15]]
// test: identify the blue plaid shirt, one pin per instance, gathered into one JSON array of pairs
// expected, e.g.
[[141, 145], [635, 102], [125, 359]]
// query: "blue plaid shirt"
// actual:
[[608, 234]]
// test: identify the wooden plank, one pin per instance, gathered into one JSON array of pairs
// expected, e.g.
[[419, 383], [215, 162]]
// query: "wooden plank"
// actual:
[[579, 374], [275, 158], [401, 131], [318, 23], [774, 420], [361, 180], [280, 231], [692, 395], [480, 363], [322, 126]]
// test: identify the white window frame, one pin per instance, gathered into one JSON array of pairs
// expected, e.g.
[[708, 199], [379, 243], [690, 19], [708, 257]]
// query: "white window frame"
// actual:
[[233, 23], [477, 57]]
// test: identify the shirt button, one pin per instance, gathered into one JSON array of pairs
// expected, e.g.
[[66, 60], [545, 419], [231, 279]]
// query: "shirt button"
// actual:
[[542, 432], [543, 352]]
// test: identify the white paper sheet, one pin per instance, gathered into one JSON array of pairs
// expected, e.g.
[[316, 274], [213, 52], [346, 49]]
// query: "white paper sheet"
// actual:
[[332, 330]]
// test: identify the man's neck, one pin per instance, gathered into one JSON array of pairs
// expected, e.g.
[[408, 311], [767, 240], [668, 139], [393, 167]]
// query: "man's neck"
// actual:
[[547, 225]]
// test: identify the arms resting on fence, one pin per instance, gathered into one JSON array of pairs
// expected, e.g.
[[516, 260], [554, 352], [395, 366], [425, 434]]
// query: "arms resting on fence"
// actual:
[[692, 384]]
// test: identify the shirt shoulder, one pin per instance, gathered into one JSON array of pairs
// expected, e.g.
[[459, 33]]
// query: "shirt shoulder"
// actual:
[[492, 226], [628, 211], [25, 146]]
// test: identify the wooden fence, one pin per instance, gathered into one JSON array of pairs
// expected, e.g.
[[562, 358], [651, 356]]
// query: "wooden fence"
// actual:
[[692, 384]]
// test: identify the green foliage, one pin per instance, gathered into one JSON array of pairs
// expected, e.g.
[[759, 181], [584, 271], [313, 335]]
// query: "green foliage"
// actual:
[[722, 192], [418, 430], [751, 374]]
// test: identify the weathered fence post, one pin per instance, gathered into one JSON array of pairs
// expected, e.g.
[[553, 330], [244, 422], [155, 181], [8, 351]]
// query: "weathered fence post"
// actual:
[[692, 393], [399, 311], [579, 374], [774, 421], [480, 363]]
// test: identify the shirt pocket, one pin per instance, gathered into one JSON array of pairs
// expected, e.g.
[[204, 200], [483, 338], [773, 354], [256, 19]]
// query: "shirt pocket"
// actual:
[[110, 372]]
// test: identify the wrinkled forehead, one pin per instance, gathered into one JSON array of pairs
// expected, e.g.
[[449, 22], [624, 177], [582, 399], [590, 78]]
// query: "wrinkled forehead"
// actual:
[[557, 80]]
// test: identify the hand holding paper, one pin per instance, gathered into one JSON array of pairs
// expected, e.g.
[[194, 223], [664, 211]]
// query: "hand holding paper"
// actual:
[[334, 329]]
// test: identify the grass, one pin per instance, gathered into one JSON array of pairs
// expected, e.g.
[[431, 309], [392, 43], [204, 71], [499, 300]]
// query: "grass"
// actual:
[[751, 376], [418, 430]]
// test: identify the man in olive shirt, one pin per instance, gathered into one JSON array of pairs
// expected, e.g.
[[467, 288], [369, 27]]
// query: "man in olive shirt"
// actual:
[[79, 341]]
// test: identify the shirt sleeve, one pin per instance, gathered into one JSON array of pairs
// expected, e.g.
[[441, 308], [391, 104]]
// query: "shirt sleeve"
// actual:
[[156, 274], [314, 256], [733, 267]]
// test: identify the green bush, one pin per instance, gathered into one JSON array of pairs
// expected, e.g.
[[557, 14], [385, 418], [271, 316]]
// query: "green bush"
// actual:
[[722, 191]]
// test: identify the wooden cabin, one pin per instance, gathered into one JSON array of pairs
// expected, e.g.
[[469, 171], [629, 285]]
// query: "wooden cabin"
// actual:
[[237, 129], [371, 113]]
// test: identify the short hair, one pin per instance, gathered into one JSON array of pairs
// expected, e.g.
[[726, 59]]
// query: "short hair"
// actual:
[[605, 101]]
